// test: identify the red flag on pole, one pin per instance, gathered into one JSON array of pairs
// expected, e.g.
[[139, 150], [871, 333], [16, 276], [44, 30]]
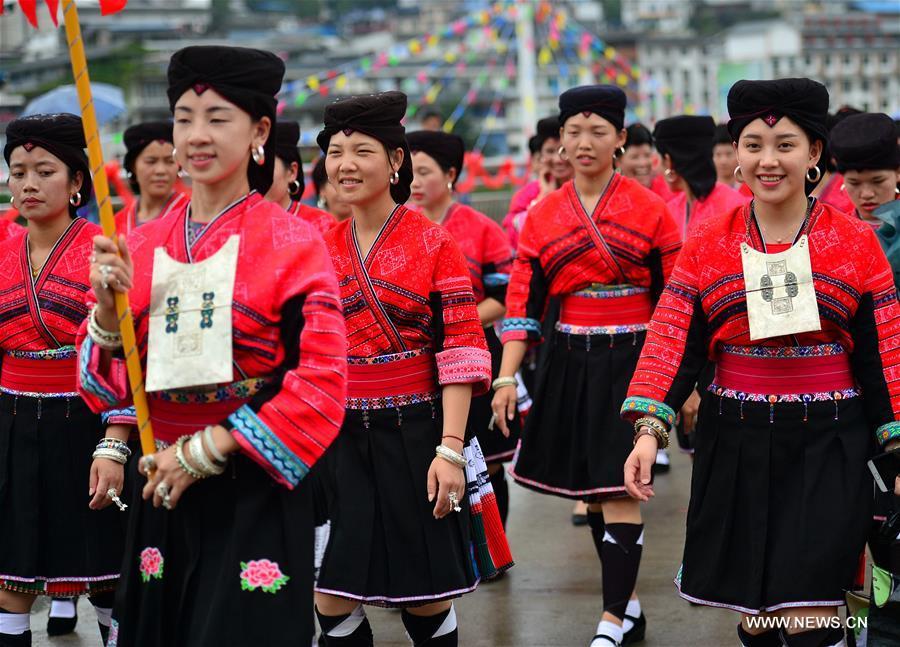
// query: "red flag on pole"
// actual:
[[29, 8]]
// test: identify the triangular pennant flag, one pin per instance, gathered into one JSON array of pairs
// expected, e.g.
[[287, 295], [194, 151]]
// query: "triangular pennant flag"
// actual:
[[108, 7]]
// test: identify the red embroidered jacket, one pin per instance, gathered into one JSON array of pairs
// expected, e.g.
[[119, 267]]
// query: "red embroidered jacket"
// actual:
[[485, 247], [320, 220], [630, 239], [721, 199], [704, 306], [411, 291], [287, 330], [45, 315], [8, 229], [126, 218]]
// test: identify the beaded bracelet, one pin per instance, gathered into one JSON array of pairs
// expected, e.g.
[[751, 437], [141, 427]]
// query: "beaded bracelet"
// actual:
[[116, 444], [450, 456], [111, 454], [199, 454], [182, 461]]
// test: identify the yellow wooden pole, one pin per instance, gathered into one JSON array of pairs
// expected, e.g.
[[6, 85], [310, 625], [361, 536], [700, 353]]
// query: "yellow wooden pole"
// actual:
[[107, 220]]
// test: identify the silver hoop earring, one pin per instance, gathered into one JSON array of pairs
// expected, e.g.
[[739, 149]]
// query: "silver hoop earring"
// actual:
[[620, 151], [395, 178], [182, 173], [321, 203], [668, 173], [737, 174], [896, 192], [75, 200], [450, 187], [12, 200], [562, 154], [294, 187], [259, 155], [174, 150], [130, 175], [813, 179], [843, 187]]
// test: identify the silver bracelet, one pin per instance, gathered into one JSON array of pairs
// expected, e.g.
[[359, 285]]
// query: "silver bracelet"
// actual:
[[103, 338], [111, 454], [199, 455], [210, 445], [182, 461], [451, 456]]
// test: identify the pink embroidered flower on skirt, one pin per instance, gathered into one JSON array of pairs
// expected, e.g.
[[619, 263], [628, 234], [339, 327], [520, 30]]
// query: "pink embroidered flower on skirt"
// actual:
[[151, 564], [264, 574]]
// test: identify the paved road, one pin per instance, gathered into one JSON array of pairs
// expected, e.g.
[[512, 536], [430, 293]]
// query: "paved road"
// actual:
[[552, 597]]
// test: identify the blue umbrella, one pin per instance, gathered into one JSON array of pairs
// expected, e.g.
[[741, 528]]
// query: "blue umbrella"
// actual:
[[109, 102]]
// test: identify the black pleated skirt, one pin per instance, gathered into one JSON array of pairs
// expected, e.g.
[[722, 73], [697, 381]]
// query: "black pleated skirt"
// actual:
[[51, 543], [496, 447], [232, 564], [385, 547], [575, 443], [779, 509]]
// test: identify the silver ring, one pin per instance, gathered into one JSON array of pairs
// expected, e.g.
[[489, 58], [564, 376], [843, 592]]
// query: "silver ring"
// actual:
[[492, 422], [148, 462], [93, 258], [454, 501], [105, 270], [162, 490], [167, 502]]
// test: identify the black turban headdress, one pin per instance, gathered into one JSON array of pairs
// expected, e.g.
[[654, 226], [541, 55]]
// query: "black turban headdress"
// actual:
[[319, 175], [248, 78], [547, 128], [446, 149], [608, 101], [722, 135], [637, 134], [688, 140], [803, 101], [865, 142], [62, 135], [138, 137], [378, 116], [287, 136]]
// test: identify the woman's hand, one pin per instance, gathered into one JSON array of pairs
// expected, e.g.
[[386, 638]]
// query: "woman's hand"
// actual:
[[689, 412], [443, 478], [110, 273], [504, 404], [167, 471], [638, 467], [105, 474]]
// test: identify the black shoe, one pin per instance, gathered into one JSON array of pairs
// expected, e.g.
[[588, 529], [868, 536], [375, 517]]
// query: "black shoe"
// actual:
[[61, 626], [579, 520], [636, 633]]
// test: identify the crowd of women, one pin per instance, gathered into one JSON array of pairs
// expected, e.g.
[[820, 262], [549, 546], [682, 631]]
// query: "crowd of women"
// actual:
[[329, 375]]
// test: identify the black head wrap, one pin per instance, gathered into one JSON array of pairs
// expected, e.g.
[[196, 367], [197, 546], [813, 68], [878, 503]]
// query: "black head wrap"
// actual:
[[378, 116], [248, 78], [547, 128], [138, 137], [608, 101], [803, 101], [688, 140], [446, 149], [637, 134], [534, 145], [287, 136], [722, 135], [864, 142], [62, 135]]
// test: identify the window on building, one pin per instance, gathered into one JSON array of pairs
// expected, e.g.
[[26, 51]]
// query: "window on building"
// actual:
[[845, 85], [864, 85]]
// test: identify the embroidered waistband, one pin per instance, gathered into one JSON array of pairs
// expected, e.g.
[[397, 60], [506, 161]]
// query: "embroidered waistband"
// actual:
[[605, 312], [391, 380], [599, 330], [47, 376], [240, 390], [784, 352], [65, 352], [598, 291], [771, 372]]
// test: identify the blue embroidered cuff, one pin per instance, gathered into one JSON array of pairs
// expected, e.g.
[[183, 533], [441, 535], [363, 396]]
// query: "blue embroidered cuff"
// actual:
[[89, 381], [888, 432], [265, 447], [635, 406], [126, 416], [494, 280]]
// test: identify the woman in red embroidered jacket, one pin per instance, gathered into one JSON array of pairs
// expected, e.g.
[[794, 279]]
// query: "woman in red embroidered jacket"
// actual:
[[225, 560], [152, 174], [416, 354], [806, 371], [437, 161], [53, 544], [287, 185], [604, 244]]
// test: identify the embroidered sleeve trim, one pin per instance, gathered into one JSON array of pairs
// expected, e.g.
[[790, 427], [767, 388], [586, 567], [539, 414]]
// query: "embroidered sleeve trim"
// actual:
[[110, 391], [496, 279], [888, 432], [126, 416], [635, 407], [520, 329], [464, 366], [266, 448]]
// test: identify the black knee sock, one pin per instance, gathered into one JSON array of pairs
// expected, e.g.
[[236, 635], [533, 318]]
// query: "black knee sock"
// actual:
[[422, 629], [770, 638], [598, 529], [20, 639], [815, 638], [501, 491], [620, 553], [360, 636]]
